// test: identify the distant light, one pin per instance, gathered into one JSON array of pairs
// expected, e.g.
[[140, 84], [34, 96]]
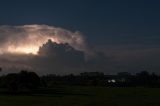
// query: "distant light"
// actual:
[[112, 81]]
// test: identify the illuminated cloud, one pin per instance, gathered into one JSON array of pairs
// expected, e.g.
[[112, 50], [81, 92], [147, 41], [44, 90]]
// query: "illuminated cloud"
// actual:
[[43, 48], [28, 38], [52, 58]]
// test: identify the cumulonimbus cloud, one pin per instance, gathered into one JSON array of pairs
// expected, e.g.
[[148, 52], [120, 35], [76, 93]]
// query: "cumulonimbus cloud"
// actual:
[[28, 38], [46, 49], [43, 48]]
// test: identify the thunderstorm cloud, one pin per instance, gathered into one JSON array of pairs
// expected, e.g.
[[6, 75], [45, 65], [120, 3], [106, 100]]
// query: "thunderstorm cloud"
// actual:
[[29, 38], [44, 49]]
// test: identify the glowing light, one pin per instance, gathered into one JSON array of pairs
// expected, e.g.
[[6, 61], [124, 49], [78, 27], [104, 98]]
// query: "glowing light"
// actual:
[[31, 47], [26, 50]]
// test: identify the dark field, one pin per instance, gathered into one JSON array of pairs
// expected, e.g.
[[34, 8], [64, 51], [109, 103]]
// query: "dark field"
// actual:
[[85, 96]]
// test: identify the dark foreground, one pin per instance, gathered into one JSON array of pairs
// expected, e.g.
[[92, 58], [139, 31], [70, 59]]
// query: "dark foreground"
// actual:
[[85, 96]]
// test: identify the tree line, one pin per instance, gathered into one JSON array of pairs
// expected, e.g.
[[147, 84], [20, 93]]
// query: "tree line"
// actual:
[[27, 81], [122, 79]]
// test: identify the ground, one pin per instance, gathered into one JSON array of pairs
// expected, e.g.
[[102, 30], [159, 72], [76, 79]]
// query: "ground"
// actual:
[[85, 96]]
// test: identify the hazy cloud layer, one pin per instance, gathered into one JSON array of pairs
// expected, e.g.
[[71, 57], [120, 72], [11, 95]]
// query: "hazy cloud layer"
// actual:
[[131, 58]]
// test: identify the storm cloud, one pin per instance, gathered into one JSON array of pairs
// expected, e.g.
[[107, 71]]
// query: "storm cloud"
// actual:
[[44, 49], [48, 49], [27, 37]]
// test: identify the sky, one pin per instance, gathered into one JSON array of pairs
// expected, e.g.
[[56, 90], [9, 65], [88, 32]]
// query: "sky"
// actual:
[[126, 32]]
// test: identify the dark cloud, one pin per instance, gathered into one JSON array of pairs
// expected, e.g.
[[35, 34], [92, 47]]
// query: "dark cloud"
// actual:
[[59, 59]]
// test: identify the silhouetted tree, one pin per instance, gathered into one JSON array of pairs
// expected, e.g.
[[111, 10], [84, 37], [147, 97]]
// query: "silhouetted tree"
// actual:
[[29, 80], [23, 81], [11, 82], [143, 78]]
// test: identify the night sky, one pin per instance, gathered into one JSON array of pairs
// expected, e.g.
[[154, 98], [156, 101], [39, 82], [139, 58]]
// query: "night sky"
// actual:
[[125, 31]]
